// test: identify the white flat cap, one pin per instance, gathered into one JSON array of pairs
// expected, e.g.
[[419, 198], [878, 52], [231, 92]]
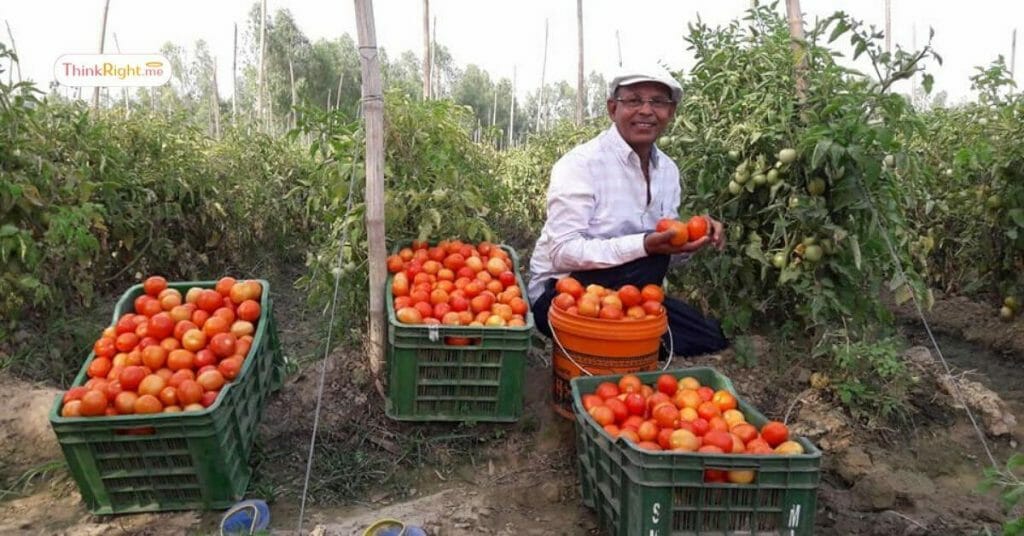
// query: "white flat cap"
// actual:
[[654, 73]]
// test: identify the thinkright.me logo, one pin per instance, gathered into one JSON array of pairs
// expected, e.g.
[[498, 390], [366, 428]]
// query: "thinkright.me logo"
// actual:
[[112, 70]]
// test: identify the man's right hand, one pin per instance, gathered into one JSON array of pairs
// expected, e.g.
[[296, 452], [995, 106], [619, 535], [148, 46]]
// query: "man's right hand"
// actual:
[[661, 243]]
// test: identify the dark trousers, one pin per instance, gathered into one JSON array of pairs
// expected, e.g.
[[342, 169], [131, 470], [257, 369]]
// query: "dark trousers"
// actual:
[[692, 333]]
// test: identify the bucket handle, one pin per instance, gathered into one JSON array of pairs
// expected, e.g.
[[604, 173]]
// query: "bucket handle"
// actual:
[[671, 350]]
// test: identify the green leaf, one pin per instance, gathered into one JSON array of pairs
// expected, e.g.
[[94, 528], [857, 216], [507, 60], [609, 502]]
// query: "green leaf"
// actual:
[[1017, 215], [839, 30], [820, 152], [927, 81]]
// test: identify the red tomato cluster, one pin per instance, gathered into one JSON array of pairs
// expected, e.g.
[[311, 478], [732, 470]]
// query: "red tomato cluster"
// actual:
[[595, 301], [695, 228], [173, 353], [681, 415], [456, 284]]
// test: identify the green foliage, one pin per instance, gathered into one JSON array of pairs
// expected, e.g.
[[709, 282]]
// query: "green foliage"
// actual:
[[968, 203], [805, 245], [91, 202], [525, 172], [438, 184], [1011, 492], [871, 379]]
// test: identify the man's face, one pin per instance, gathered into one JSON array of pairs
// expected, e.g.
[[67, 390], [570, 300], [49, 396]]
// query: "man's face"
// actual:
[[640, 125]]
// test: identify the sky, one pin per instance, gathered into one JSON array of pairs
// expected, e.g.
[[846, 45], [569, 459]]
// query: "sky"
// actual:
[[501, 37]]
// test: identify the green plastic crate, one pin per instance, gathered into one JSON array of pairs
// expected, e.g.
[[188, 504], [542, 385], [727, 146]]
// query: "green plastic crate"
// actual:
[[173, 461], [429, 380], [637, 492]]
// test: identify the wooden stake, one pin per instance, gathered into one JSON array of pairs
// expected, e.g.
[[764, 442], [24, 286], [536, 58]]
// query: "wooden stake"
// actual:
[[14, 48], [543, 70], [215, 102], [373, 116], [234, 79], [426, 50], [260, 77], [103, 40], [579, 70], [796, 34]]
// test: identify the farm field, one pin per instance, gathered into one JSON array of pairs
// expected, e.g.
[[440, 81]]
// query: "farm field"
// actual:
[[870, 283]]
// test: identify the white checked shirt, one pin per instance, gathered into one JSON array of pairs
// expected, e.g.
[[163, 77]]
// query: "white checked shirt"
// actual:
[[598, 210]]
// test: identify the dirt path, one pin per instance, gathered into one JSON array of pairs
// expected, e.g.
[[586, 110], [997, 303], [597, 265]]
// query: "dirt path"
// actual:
[[520, 478]]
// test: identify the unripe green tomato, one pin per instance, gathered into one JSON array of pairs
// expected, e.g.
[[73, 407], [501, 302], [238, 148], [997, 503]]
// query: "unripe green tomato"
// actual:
[[787, 155], [1005, 313], [816, 187], [760, 179], [813, 253], [740, 177], [779, 260], [773, 176], [734, 188]]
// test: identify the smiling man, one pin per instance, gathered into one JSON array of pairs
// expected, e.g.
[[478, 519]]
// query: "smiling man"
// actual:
[[604, 201]]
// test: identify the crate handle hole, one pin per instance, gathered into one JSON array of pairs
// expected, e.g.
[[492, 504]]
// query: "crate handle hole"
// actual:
[[730, 475], [462, 341], [141, 430]]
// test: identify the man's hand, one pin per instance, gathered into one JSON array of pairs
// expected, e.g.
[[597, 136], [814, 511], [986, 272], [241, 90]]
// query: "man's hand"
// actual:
[[661, 243], [717, 233]]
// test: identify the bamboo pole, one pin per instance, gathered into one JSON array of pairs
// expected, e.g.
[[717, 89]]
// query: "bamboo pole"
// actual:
[[796, 33], [579, 70], [618, 46], [215, 102], [124, 90], [426, 50], [913, 78], [260, 75], [103, 36], [337, 94], [543, 71], [14, 49], [234, 79], [373, 115], [512, 109], [494, 109]]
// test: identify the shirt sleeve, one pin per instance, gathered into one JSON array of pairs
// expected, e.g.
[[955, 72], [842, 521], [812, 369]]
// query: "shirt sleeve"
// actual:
[[571, 203]]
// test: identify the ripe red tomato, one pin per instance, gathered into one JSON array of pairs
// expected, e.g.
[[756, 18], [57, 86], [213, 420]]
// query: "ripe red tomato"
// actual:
[[618, 408], [774, 433], [697, 227], [104, 347], [668, 384], [636, 404], [160, 326], [222, 344], [154, 285], [607, 390], [249, 310]]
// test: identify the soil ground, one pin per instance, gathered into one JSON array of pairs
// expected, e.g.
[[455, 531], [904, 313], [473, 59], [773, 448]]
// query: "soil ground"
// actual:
[[520, 478]]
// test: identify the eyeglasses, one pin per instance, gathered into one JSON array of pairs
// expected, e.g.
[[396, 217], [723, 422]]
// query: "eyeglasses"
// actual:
[[634, 103]]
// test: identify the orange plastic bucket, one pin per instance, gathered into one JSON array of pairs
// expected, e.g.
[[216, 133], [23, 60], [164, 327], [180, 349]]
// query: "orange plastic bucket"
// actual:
[[599, 347]]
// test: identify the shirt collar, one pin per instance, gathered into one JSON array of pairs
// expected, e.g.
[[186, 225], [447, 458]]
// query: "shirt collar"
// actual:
[[622, 149]]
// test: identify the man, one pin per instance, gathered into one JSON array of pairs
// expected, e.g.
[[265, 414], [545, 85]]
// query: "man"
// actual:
[[604, 200]]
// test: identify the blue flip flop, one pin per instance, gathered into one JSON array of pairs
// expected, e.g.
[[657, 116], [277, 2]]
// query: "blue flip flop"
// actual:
[[245, 517]]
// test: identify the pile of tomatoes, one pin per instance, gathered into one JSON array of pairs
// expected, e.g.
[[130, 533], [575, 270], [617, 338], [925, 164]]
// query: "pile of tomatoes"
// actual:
[[681, 415], [456, 284], [173, 353], [595, 301]]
